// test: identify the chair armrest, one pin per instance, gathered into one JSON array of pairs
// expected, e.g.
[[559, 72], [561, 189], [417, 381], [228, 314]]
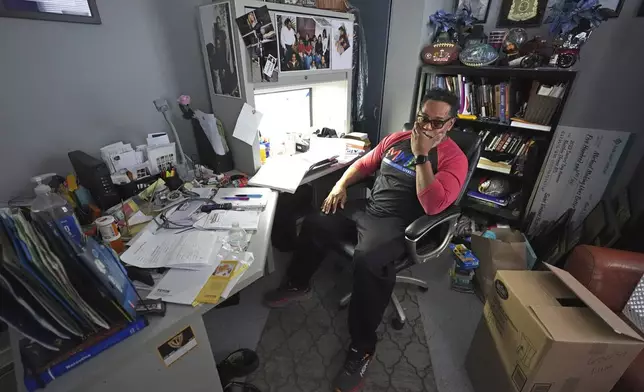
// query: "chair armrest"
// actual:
[[418, 228], [423, 225]]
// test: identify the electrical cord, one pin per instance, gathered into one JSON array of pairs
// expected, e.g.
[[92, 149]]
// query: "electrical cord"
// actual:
[[167, 223]]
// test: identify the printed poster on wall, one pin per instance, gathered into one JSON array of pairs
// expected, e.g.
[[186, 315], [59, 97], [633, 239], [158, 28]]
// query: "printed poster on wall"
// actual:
[[216, 25], [577, 172], [304, 42], [342, 51]]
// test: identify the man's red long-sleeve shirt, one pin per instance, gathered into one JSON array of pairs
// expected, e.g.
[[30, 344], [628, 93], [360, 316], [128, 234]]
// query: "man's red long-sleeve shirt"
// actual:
[[394, 192]]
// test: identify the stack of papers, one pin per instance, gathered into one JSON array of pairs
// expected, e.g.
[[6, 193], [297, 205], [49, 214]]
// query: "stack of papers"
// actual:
[[282, 173], [224, 220], [182, 286], [189, 250]]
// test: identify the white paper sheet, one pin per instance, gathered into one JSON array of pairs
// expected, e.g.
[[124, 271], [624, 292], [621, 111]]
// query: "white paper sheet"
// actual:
[[192, 249], [251, 203], [224, 220], [157, 139], [182, 286], [210, 126], [247, 124], [282, 173]]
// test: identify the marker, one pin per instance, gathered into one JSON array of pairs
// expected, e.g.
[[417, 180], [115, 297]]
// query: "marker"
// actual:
[[237, 198], [252, 196]]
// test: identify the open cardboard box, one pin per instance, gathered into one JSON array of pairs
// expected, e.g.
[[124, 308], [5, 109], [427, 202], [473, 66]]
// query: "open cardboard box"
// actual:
[[550, 334]]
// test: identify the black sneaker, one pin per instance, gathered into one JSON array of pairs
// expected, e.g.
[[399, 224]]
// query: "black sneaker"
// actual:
[[286, 295], [351, 376]]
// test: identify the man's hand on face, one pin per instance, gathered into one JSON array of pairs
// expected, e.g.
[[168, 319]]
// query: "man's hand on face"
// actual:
[[423, 141], [337, 197]]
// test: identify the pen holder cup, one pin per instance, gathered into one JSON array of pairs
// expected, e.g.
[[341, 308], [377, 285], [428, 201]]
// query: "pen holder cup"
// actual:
[[173, 182]]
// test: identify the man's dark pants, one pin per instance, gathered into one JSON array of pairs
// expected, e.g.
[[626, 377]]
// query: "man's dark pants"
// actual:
[[380, 241]]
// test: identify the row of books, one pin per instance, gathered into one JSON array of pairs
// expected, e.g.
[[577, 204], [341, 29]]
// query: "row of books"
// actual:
[[479, 99], [509, 142], [502, 102], [504, 152]]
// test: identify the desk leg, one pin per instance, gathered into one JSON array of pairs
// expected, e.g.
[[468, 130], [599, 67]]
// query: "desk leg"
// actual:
[[269, 267]]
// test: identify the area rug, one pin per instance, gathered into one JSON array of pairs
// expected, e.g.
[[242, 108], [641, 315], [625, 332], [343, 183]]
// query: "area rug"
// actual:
[[303, 346]]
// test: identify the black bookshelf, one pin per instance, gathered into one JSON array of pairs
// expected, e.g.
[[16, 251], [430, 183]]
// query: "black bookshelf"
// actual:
[[514, 213]]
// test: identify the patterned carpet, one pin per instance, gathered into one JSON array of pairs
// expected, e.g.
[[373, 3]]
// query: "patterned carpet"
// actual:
[[303, 346]]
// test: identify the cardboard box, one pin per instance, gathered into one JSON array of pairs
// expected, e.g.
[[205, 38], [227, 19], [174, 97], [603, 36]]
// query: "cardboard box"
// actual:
[[509, 251], [553, 335], [483, 363]]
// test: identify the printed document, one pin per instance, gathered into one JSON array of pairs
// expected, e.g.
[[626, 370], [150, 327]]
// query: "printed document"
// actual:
[[191, 250]]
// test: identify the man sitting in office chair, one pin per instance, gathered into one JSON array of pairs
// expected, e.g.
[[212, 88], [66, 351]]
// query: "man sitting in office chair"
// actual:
[[421, 172]]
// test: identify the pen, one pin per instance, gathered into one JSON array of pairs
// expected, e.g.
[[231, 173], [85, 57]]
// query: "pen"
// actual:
[[252, 196], [237, 198]]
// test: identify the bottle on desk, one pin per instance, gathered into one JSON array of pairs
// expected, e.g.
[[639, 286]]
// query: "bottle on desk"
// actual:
[[237, 238]]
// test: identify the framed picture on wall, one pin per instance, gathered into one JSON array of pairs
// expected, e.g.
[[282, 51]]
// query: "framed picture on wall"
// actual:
[[480, 8], [77, 11], [521, 13], [216, 27]]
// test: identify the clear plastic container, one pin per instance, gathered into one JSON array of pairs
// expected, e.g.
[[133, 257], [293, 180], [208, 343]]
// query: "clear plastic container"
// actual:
[[237, 239], [53, 209]]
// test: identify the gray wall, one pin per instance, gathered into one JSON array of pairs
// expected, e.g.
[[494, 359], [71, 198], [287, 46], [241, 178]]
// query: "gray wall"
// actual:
[[68, 86], [608, 89]]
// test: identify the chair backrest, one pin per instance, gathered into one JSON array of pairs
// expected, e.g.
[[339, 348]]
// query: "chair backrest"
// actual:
[[470, 144]]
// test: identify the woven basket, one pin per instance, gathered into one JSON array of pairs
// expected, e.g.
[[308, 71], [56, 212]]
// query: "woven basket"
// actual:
[[333, 5]]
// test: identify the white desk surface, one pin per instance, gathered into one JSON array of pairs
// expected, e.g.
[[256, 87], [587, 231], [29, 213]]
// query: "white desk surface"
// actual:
[[129, 348]]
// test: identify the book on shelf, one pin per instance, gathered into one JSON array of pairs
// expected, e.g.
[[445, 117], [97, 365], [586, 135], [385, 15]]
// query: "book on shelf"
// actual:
[[520, 123], [500, 201]]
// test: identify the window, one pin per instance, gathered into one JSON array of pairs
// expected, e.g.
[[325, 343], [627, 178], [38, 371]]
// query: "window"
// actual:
[[284, 111]]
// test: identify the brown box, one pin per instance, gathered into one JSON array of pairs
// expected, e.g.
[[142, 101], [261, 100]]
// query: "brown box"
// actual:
[[550, 335], [509, 251]]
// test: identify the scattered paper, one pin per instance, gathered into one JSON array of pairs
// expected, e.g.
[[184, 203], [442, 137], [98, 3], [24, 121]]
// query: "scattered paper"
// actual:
[[247, 124], [281, 172], [251, 203], [224, 220], [211, 292], [189, 250], [157, 139], [214, 130], [181, 286]]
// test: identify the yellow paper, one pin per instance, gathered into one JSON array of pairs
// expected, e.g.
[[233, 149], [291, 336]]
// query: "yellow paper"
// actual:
[[211, 291]]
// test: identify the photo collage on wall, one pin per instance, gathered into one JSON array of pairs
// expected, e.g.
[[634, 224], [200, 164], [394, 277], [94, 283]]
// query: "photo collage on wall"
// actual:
[[220, 51], [260, 38], [304, 42]]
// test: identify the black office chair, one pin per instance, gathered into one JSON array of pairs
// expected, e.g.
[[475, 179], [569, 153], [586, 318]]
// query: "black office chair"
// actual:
[[428, 236]]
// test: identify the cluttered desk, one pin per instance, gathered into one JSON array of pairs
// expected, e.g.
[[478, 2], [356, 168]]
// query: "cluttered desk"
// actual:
[[129, 251]]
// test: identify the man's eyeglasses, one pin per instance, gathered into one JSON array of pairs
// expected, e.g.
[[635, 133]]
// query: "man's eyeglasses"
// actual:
[[423, 120]]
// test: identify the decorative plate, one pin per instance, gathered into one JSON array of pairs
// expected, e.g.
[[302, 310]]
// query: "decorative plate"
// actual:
[[478, 55], [440, 53]]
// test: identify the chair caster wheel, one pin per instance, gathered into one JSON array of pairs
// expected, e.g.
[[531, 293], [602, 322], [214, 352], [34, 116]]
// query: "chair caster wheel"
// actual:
[[397, 324], [423, 289], [342, 307]]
